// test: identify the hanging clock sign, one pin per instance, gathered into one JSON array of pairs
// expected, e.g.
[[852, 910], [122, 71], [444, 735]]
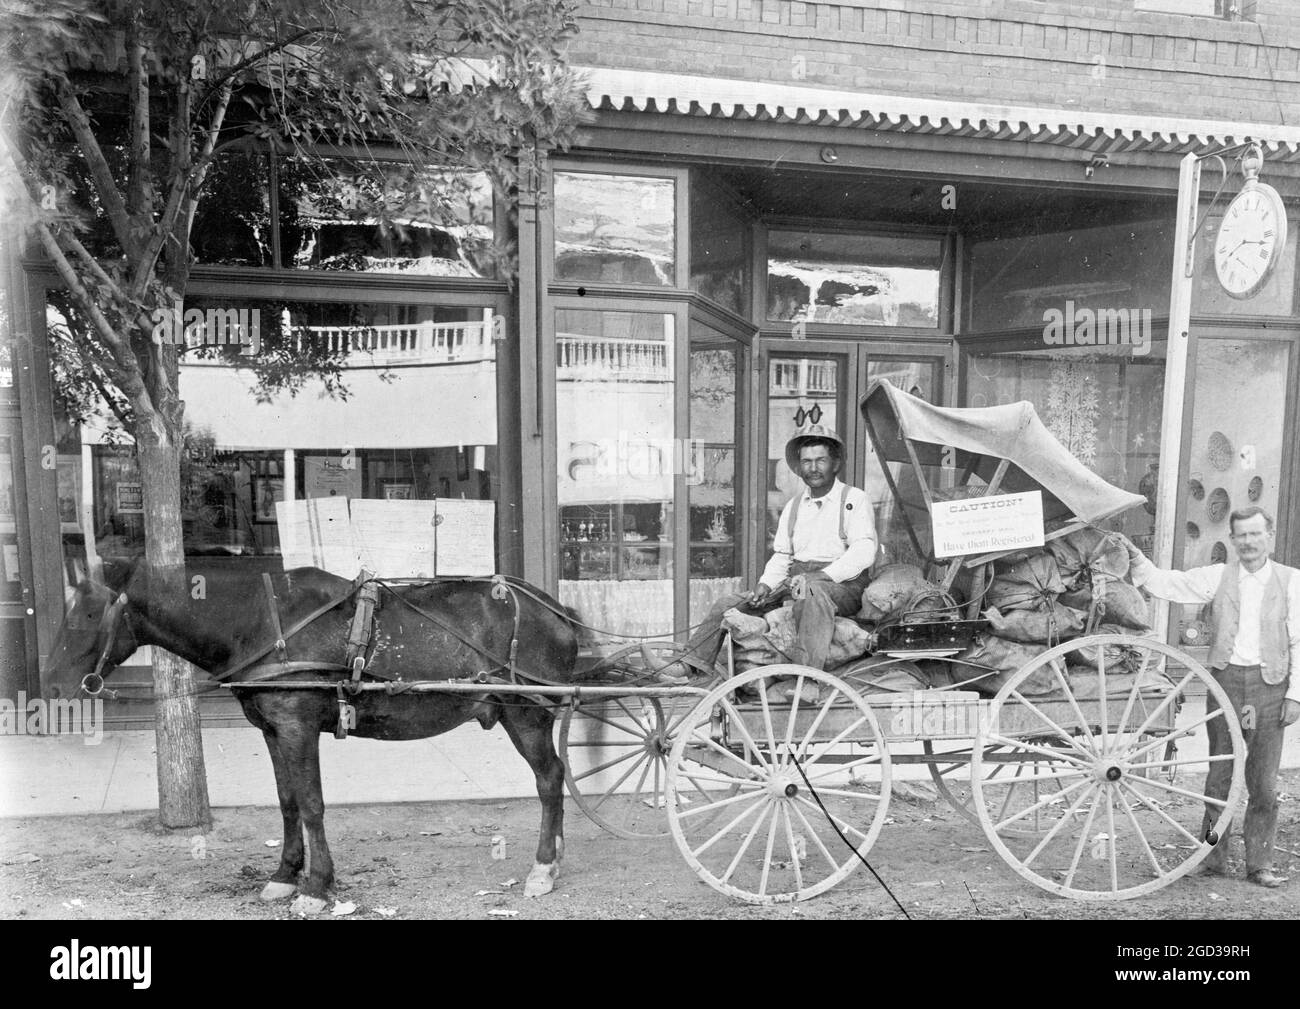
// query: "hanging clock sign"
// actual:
[[1252, 235]]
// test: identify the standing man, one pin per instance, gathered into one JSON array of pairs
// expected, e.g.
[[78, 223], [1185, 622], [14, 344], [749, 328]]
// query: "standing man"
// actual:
[[825, 544], [1254, 645]]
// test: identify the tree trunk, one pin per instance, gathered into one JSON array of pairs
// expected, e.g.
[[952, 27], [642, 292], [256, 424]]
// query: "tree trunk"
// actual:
[[182, 777]]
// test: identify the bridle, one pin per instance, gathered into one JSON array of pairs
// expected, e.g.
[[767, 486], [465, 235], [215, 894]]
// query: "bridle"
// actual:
[[92, 684]]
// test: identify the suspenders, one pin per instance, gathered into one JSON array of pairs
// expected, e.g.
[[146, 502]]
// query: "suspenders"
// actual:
[[794, 517]]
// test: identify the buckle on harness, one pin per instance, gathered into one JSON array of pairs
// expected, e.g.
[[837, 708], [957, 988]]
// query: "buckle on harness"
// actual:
[[347, 715]]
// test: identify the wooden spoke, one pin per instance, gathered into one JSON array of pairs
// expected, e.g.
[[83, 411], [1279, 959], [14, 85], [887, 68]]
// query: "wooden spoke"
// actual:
[[1157, 810], [744, 847], [794, 851], [762, 803], [815, 836], [767, 856], [1137, 830], [1066, 737], [1078, 849], [1177, 734], [1065, 819], [731, 859], [607, 765], [1117, 795]]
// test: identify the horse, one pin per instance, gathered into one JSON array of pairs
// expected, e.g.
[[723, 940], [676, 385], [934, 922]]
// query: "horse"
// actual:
[[296, 626]]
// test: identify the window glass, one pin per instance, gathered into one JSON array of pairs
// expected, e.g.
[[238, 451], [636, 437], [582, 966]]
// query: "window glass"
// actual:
[[401, 407], [800, 391], [615, 229], [439, 221], [1103, 404], [1236, 451], [720, 266], [617, 454], [865, 280], [232, 223], [715, 560], [1021, 282]]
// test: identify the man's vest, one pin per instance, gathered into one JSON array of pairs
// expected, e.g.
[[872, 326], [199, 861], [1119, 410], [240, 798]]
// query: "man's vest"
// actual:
[[1274, 639]]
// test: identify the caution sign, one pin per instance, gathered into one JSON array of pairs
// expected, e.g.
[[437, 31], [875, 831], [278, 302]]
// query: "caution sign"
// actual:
[[987, 524]]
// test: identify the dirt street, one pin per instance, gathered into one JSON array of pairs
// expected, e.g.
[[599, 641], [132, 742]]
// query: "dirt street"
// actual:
[[435, 860]]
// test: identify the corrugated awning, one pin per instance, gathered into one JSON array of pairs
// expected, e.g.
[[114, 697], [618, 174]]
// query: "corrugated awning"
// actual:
[[759, 101]]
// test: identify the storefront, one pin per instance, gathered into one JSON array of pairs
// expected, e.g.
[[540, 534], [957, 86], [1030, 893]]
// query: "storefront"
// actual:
[[684, 302]]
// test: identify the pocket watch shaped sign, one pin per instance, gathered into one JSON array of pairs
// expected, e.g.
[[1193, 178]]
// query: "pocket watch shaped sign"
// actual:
[[1251, 239]]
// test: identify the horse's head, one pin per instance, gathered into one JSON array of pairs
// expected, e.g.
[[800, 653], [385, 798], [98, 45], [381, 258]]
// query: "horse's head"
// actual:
[[95, 637]]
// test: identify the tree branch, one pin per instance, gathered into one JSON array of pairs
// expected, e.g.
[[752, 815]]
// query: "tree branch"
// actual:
[[100, 172], [229, 76], [128, 377], [140, 181]]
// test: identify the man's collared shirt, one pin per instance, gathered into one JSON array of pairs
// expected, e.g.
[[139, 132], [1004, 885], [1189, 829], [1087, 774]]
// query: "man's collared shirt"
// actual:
[[817, 535], [1201, 585]]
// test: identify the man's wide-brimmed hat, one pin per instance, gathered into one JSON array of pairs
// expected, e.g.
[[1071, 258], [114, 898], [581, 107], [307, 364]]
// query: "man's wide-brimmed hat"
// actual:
[[811, 432]]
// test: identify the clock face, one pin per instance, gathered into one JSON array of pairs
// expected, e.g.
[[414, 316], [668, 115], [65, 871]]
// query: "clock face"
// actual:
[[1250, 240]]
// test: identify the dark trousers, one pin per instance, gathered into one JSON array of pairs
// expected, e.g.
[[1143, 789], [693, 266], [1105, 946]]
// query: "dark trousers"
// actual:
[[814, 617], [1247, 690]]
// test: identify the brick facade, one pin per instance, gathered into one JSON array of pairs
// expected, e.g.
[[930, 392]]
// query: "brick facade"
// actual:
[[1098, 56]]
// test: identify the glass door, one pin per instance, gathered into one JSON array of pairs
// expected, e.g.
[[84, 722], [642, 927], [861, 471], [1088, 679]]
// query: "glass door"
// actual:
[[824, 382]]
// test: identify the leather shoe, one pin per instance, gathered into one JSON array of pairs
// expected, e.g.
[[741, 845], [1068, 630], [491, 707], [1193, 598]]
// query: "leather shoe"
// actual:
[[1265, 877]]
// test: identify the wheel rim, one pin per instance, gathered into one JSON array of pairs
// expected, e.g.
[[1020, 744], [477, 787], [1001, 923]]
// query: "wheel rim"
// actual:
[[615, 756], [1114, 826], [771, 841]]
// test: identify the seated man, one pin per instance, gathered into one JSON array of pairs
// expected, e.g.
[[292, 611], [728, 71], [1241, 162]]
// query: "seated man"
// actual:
[[825, 544]]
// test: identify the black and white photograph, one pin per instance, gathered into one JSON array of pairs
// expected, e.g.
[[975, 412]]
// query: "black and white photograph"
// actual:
[[652, 460]]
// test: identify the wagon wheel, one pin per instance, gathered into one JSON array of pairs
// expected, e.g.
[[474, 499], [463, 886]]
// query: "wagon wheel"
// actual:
[[1114, 830], [776, 839], [1011, 767], [615, 761]]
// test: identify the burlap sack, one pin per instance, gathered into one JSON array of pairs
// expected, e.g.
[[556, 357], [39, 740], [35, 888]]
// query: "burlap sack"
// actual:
[[889, 591], [1086, 552], [1030, 583], [1050, 625]]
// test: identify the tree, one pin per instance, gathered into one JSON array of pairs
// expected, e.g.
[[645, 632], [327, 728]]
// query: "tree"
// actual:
[[115, 113]]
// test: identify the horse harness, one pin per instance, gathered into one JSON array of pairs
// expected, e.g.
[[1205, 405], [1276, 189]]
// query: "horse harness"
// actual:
[[360, 643]]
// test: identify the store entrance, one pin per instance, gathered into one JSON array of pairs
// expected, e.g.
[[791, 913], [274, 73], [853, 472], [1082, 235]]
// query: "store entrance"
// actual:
[[823, 381]]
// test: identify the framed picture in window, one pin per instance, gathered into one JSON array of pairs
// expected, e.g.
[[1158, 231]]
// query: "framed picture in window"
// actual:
[[267, 490], [397, 490]]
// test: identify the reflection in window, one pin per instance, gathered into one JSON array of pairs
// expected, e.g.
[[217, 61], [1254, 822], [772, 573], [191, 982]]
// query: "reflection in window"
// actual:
[[720, 264], [1020, 282], [714, 557], [800, 391], [232, 224], [617, 454], [1104, 406], [1236, 450], [865, 280], [615, 229], [434, 223], [408, 415]]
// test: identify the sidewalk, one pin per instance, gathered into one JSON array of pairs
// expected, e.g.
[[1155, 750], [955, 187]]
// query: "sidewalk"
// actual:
[[43, 775], [46, 775]]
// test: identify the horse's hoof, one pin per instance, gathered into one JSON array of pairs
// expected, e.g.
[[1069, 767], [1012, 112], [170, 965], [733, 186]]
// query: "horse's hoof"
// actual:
[[305, 905], [539, 881], [278, 891]]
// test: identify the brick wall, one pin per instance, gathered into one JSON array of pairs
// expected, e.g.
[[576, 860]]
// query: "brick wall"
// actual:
[[1098, 55]]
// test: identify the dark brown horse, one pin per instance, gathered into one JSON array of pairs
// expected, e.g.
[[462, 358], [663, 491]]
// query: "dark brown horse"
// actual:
[[448, 629]]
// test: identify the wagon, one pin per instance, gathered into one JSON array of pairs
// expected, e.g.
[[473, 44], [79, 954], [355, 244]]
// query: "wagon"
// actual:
[[775, 782]]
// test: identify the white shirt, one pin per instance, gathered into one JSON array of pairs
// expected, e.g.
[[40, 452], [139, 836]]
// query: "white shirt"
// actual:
[[817, 535], [1201, 585]]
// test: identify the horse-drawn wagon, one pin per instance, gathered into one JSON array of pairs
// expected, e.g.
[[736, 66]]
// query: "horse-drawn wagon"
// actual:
[[773, 781], [777, 782]]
